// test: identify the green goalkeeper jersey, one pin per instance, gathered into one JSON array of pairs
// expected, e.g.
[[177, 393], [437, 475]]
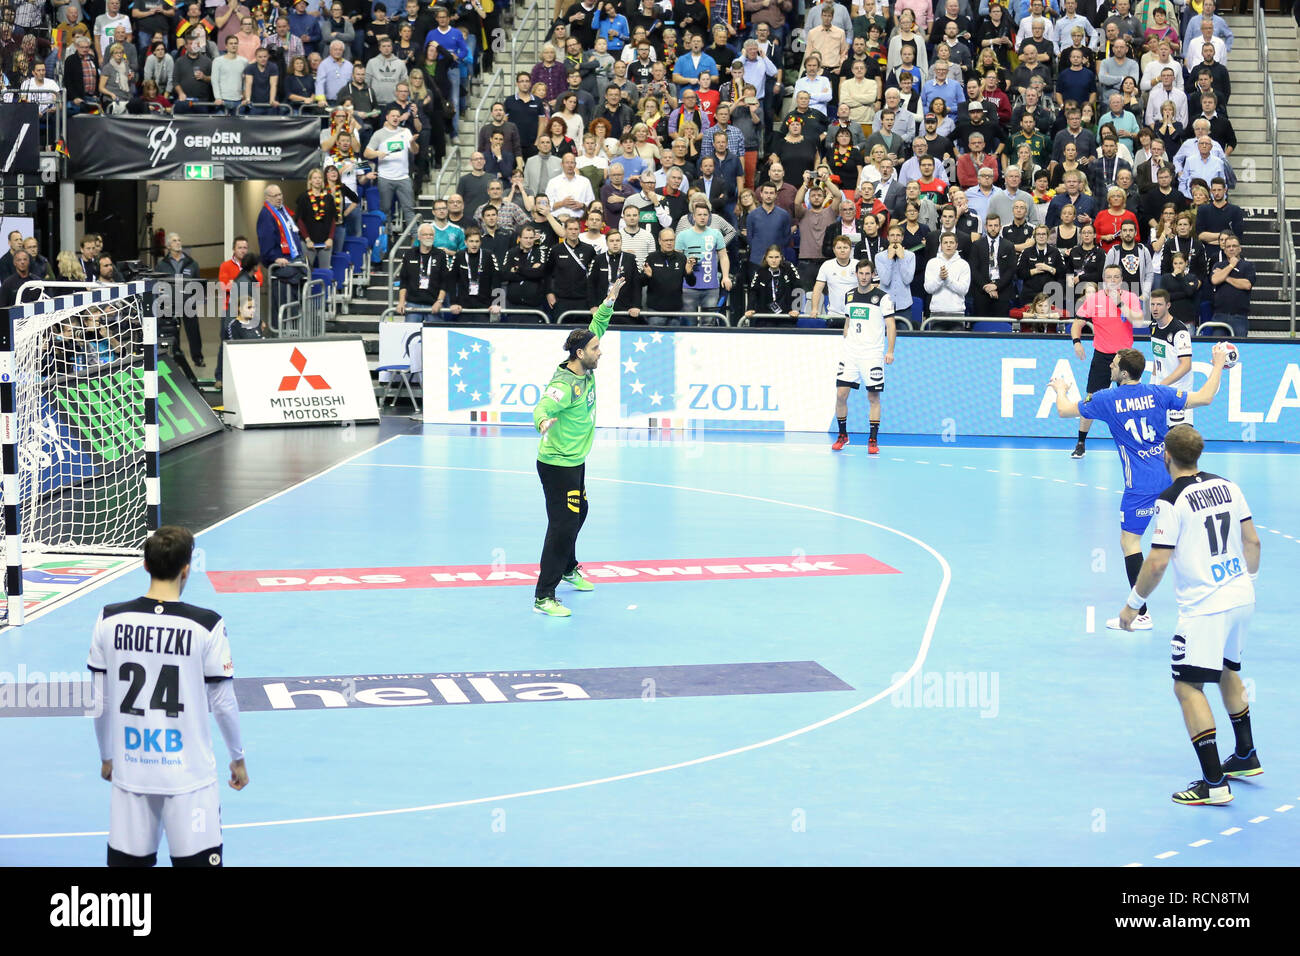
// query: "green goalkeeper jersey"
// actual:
[[571, 400]]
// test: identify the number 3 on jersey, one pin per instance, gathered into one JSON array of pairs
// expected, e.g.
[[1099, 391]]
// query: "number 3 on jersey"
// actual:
[[1148, 433]]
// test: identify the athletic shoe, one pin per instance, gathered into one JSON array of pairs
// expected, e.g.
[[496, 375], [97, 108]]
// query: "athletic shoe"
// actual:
[[1247, 766], [872, 447], [1078, 451], [580, 583], [840, 443], [1140, 623], [1199, 793], [551, 607]]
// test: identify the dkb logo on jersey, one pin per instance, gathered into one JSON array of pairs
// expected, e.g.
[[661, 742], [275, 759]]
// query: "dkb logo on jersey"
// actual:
[[469, 377], [147, 741], [1226, 569]]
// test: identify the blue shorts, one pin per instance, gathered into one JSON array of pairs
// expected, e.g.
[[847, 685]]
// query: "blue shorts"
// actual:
[[1136, 509]]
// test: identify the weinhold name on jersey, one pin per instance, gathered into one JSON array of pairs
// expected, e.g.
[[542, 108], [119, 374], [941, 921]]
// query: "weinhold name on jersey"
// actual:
[[1202, 498], [76, 909], [158, 640]]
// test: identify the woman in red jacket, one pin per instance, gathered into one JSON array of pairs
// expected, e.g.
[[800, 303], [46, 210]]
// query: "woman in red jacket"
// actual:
[[1110, 219]]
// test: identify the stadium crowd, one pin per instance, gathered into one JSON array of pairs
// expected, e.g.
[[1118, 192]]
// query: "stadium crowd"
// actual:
[[738, 157]]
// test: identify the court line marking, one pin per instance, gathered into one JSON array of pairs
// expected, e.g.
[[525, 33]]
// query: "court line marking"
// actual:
[[924, 649], [137, 563], [939, 598]]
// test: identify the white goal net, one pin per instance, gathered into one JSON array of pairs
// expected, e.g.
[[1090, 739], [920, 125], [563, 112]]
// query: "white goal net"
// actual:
[[78, 398]]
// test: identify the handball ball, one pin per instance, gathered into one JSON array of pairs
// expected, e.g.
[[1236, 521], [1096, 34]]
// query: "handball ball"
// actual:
[[1230, 352]]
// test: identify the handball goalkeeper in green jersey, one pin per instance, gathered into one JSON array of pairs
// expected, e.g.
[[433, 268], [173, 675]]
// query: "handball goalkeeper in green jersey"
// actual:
[[566, 417]]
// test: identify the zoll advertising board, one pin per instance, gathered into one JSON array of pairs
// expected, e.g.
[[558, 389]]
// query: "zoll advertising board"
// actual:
[[298, 382], [785, 381]]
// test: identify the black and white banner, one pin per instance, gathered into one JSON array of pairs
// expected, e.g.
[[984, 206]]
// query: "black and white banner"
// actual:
[[160, 147]]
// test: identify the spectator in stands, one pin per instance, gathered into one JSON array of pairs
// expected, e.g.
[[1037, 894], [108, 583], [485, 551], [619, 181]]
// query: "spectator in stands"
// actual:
[[1112, 70], [947, 279], [1218, 216], [283, 45], [1232, 279], [153, 21], [305, 26], [69, 267], [244, 30], [667, 273], [993, 266], [15, 239], [180, 266], [72, 26], [317, 216], [9, 294], [334, 73], [106, 23], [228, 77], [159, 66], [81, 77], [970, 162], [281, 247], [384, 71], [473, 186], [1105, 169], [38, 265], [424, 282], [194, 77], [261, 85], [299, 86], [107, 271], [525, 270], [1204, 164], [392, 148], [569, 193]]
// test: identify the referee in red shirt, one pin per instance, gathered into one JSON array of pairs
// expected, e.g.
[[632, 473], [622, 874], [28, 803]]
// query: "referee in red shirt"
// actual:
[[1113, 311]]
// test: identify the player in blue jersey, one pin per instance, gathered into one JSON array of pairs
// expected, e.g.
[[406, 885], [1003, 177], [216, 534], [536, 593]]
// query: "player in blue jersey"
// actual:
[[1135, 414]]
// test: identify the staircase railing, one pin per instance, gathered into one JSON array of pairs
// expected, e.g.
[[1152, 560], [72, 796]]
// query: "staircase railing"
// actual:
[[394, 255], [1286, 239]]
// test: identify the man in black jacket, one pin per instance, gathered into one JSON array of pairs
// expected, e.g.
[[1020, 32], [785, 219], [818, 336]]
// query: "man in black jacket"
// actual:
[[1041, 268], [525, 271], [181, 269], [665, 271], [569, 286], [473, 277], [423, 283], [612, 265], [993, 263]]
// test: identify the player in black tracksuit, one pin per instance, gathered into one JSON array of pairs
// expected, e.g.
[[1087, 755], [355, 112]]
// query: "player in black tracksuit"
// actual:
[[616, 264], [664, 272], [524, 273], [472, 277], [569, 284]]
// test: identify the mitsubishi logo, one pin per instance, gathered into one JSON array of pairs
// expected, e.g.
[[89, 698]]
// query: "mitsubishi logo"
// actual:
[[290, 382], [162, 140]]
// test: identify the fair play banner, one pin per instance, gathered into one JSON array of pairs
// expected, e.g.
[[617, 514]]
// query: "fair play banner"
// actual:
[[298, 382]]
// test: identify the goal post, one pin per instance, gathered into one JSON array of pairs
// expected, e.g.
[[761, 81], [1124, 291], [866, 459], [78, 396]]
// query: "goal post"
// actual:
[[78, 427]]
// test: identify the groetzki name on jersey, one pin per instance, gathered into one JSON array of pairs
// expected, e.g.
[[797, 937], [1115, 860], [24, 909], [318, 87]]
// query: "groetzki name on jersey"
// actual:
[[153, 639]]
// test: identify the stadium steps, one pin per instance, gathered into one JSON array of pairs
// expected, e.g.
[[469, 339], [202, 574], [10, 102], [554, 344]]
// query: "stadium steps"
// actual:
[[370, 303], [1253, 159]]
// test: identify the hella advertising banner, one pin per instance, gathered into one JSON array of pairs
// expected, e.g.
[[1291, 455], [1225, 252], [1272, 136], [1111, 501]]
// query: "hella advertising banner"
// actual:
[[785, 381]]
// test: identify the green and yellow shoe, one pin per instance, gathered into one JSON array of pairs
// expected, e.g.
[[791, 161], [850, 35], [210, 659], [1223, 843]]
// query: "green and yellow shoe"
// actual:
[[551, 607], [580, 583]]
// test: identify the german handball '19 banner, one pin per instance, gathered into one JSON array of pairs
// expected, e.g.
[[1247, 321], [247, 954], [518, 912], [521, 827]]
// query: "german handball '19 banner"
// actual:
[[160, 147], [785, 381]]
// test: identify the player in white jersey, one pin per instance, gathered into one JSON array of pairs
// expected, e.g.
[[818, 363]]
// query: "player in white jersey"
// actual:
[[834, 279], [160, 667], [1171, 354], [867, 348], [1204, 528]]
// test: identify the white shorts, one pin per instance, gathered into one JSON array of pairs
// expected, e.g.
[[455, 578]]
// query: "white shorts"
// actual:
[[1180, 417], [865, 367], [1204, 644], [191, 820]]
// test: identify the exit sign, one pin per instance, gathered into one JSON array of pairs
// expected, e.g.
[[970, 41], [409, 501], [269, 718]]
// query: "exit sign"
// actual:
[[198, 170]]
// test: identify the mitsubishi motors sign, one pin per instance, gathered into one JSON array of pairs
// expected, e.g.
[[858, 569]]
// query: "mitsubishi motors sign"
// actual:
[[298, 382]]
